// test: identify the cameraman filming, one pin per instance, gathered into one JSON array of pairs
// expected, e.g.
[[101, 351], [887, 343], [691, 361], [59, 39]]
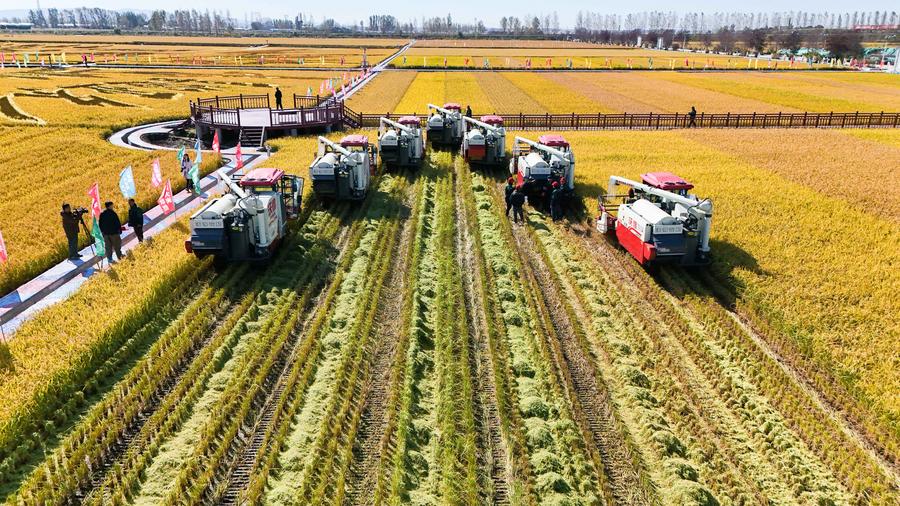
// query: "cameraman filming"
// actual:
[[70, 222]]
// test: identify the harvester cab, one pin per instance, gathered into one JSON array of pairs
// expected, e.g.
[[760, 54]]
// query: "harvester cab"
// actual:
[[657, 220], [445, 125], [343, 171], [485, 141], [537, 165], [401, 143], [250, 219]]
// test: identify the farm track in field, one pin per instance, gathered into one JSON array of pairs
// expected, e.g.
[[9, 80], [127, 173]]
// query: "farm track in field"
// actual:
[[494, 453], [390, 324], [589, 396], [690, 326]]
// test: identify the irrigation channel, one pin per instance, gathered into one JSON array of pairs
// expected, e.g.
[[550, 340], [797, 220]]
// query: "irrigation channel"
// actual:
[[417, 347]]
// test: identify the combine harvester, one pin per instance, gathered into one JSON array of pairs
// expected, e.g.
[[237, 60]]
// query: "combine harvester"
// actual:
[[537, 165], [343, 171], [250, 220], [657, 220], [485, 141], [445, 126], [401, 143]]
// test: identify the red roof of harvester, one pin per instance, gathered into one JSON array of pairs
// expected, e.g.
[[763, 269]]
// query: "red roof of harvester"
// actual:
[[261, 177], [409, 120], [452, 105], [665, 181], [355, 140], [556, 141], [492, 119]]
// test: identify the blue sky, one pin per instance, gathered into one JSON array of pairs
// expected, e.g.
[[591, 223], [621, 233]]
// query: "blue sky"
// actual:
[[463, 10]]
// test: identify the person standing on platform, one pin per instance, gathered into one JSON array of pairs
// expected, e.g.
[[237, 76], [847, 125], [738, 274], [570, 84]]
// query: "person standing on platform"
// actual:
[[277, 98]]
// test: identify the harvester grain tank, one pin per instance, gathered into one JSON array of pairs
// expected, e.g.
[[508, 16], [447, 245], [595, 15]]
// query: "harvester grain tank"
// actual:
[[445, 125], [343, 171], [250, 219], [485, 141], [537, 165], [657, 220], [401, 143]]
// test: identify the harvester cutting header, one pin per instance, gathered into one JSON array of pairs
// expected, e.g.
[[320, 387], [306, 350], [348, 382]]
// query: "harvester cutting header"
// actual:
[[485, 141], [657, 220], [401, 143], [538, 165], [445, 125]]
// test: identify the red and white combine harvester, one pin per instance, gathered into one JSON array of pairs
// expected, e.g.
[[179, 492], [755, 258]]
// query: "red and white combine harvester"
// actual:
[[657, 220], [401, 143], [485, 141], [537, 165], [250, 220], [343, 171]]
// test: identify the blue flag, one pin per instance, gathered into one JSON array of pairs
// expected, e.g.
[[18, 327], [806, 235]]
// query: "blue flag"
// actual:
[[194, 174], [199, 153], [126, 183]]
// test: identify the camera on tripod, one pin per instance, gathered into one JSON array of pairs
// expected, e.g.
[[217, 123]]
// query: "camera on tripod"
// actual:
[[79, 211]]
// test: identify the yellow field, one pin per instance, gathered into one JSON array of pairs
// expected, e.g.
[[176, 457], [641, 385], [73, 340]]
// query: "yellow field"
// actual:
[[55, 163], [809, 235], [590, 57], [658, 92], [382, 94]]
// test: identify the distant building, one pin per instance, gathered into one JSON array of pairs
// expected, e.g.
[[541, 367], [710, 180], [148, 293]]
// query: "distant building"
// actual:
[[15, 26]]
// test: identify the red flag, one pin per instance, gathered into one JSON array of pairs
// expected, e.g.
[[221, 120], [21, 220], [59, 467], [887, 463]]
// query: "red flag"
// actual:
[[3, 256], [165, 200], [238, 157], [94, 193], [216, 142], [156, 174]]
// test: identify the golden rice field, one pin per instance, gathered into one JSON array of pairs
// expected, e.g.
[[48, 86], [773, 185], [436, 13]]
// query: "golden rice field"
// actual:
[[56, 134], [579, 57], [211, 51], [417, 347], [635, 92]]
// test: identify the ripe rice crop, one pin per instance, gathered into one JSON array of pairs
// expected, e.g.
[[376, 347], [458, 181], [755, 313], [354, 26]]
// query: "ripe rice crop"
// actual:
[[440, 87], [383, 94]]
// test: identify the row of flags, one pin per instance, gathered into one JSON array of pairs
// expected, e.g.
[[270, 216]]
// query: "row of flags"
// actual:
[[128, 189], [26, 58]]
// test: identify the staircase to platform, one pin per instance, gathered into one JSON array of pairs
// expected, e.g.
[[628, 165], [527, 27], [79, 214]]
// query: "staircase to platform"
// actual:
[[253, 136]]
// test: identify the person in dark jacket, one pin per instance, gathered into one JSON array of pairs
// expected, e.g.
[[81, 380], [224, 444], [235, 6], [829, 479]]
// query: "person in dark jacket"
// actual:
[[556, 197], [517, 199], [111, 228], [510, 188], [136, 219], [277, 98], [70, 223], [468, 111], [693, 117]]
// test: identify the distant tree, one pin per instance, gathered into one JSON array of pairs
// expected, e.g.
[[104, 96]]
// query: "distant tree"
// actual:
[[844, 43], [706, 38], [791, 40], [756, 39]]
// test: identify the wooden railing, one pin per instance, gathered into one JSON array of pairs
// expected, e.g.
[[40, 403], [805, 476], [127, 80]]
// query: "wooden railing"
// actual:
[[650, 121], [236, 102], [216, 117], [302, 117], [306, 102]]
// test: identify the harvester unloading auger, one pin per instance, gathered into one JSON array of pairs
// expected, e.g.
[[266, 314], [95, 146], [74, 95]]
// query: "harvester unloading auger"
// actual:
[[485, 141], [445, 125], [401, 143], [657, 220]]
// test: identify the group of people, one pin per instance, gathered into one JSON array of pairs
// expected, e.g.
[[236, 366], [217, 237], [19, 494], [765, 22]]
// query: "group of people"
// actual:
[[516, 193], [110, 227]]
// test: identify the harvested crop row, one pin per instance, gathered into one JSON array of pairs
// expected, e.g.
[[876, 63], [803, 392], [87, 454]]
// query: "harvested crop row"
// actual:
[[333, 363], [562, 467]]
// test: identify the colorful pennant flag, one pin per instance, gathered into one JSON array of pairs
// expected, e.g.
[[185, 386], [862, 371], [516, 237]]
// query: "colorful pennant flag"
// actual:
[[215, 145], [94, 194], [238, 157], [155, 174], [99, 243], [199, 157], [180, 155], [126, 183], [165, 200], [4, 257], [194, 175]]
